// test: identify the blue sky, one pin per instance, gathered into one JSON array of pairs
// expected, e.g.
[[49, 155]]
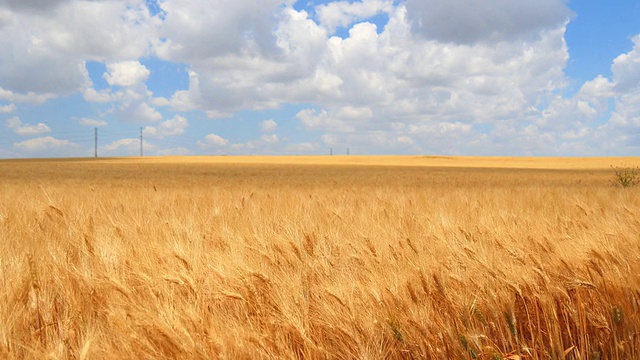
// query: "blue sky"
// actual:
[[451, 77]]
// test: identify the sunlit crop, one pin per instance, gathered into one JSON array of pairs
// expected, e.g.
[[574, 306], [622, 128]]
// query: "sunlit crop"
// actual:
[[338, 258]]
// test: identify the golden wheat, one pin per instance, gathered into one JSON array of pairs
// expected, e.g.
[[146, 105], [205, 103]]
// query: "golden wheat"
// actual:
[[439, 258]]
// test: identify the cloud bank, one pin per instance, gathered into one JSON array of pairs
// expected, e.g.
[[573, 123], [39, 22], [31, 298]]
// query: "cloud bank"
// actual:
[[436, 76]]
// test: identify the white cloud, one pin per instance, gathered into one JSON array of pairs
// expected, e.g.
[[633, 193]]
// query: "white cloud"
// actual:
[[160, 101], [187, 100], [20, 128], [268, 126], [130, 96], [365, 82], [43, 143], [46, 50], [598, 88], [405, 140], [138, 112], [131, 144], [29, 97], [586, 110], [343, 13], [198, 30], [454, 76], [329, 139], [375, 142], [267, 143], [92, 122], [431, 130], [126, 73], [213, 140], [314, 120], [7, 109], [619, 135], [13, 123], [269, 139], [575, 134], [259, 72], [103, 30], [93, 95], [626, 69], [354, 113], [126, 147], [624, 123], [173, 127], [28, 72]]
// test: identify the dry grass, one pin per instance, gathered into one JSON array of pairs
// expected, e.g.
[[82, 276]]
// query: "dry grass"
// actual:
[[190, 258]]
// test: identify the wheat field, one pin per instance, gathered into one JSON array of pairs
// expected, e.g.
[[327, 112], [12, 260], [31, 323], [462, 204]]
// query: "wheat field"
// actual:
[[318, 258]]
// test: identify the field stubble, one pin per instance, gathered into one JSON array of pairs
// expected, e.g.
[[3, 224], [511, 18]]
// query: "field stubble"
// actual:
[[168, 260]]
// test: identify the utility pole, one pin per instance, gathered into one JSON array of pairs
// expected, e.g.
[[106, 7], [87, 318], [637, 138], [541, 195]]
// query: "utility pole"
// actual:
[[347, 151], [141, 152], [331, 151], [95, 133]]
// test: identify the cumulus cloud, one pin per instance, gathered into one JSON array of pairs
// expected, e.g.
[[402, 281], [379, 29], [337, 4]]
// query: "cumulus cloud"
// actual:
[[355, 113], [269, 139], [213, 140], [598, 88], [622, 127], [268, 126], [92, 95], [604, 114], [20, 128], [139, 112], [265, 73], [30, 97], [439, 129], [371, 78], [6, 109], [126, 73], [451, 76], [126, 147], [374, 142], [127, 92], [44, 143], [313, 119], [131, 143], [343, 13], [266, 144], [92, 122], [404, 140], [173, 127], [626, 69], [196, 30], [62, 35]]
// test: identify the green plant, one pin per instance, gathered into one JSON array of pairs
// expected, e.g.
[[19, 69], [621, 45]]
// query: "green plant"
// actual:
[[626, 176]]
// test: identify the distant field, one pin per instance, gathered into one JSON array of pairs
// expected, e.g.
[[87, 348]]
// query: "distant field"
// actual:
[[319, 258], [429, 161]]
